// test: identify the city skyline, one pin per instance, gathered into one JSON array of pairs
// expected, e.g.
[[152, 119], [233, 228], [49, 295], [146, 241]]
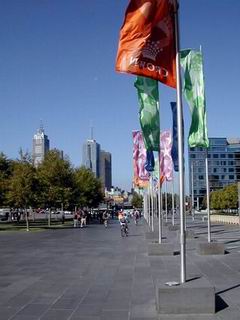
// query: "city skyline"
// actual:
[[57, 63]]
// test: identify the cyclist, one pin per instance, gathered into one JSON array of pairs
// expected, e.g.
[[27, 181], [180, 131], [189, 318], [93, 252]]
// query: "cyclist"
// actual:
[[124, 226]]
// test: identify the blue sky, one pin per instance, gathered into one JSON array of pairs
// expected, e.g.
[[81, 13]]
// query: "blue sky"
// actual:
[[57, 62]]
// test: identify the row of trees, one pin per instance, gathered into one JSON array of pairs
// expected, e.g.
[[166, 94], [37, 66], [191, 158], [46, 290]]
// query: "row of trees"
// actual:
[[54, 182], [226, 198]]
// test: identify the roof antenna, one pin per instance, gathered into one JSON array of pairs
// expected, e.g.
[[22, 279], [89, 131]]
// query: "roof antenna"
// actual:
[[91, 130], [41, 129]]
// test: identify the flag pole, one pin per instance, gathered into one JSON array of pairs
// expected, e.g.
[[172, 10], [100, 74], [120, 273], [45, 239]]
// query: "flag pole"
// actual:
[[152, 204], [173, 208], [207, 187], [192, 195], [180, 152], [159, 202], [149, 206], [166, 204], [208, 198]]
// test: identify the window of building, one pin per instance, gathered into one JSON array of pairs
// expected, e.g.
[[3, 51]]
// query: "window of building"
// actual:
[[230, 169], [231, 177], [201, 177], [192, 156], [230, 156], [223, 177], [223, 163], [215, 156], [209, 156], [230, 163], [222, 155]]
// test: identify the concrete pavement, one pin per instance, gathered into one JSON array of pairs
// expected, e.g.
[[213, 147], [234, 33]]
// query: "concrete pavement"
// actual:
[[94, 274]]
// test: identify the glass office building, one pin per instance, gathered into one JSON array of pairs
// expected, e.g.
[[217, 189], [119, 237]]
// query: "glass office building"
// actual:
[[91, 156], [40, 146], [223, 166]]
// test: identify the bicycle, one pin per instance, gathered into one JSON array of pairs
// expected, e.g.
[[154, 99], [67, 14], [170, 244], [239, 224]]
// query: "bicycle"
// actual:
[[124, 229]]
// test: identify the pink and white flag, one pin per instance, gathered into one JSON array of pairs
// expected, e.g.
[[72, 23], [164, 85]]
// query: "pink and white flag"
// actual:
[[141, 176], [166, 163]]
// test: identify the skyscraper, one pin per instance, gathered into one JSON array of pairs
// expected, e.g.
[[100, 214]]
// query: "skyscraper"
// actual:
[[40, 146], [106, 169], [91, 156]]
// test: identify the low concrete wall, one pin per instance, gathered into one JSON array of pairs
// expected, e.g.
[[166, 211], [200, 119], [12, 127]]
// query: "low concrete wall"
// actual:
[[224, 219]]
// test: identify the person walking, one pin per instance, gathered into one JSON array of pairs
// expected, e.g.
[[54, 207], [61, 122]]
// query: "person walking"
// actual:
[[83, 218], [105, 218]]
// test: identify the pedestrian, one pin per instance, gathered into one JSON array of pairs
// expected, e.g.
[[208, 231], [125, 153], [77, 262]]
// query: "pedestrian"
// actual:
[[75, 220], [83, 217], [105, 218]]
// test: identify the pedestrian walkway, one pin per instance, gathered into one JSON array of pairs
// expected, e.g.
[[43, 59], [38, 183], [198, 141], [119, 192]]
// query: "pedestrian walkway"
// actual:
[[94, 274]]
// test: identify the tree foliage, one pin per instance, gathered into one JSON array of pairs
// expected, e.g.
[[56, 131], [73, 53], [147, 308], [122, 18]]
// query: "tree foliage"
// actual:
[[22, 185], [88, 189], [56, 180], [227, 198], [6, 167], [137, 200]]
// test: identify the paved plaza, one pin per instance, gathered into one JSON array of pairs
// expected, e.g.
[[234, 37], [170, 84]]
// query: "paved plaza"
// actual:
[[94, 274]]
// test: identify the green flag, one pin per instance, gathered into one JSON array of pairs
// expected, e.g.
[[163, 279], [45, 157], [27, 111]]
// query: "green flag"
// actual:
[[149, 111], [192, 63]]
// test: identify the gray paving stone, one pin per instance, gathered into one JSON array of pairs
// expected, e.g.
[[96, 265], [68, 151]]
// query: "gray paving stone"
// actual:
[[97, 268], [87, 310], [33, 310], [55, 314]]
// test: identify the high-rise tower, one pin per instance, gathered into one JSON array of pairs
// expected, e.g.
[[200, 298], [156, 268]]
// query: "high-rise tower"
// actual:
[[40, 146], [106, 169], [91, 156]]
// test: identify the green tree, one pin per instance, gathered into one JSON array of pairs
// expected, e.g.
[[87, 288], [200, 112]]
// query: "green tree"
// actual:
[[88, 189], [230, 197], [137, 200], [23, 185], [6, 167], [56, 180]]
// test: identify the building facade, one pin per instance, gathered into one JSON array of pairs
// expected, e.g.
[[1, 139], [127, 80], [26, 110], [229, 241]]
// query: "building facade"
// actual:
[[40, 146], [106, 169], [223, 166], [91, 156]]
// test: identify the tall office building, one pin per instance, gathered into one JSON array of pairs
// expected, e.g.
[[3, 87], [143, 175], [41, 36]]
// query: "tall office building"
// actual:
[[91, 156], [223, 166], [106, 169], [40, 146]]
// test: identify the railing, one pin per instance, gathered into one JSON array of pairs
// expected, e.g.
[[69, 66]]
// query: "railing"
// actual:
[[225, 219]]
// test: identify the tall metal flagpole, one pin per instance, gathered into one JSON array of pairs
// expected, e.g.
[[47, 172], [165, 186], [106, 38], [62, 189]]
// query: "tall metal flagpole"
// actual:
[[149, 205], [192, 191], [208, 199], [173, 207], [180, 153], [166, 204], [151, 188], [159, 203]]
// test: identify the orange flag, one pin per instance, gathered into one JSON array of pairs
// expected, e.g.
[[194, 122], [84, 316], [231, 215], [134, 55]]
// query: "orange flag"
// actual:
[[147, 41]]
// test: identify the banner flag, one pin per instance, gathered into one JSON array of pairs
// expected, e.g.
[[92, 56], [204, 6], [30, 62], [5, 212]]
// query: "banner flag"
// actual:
[[150, 162], [174, 150], [166, 163], [147, 41], [148, 98], [141, 176], [194, 91]]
